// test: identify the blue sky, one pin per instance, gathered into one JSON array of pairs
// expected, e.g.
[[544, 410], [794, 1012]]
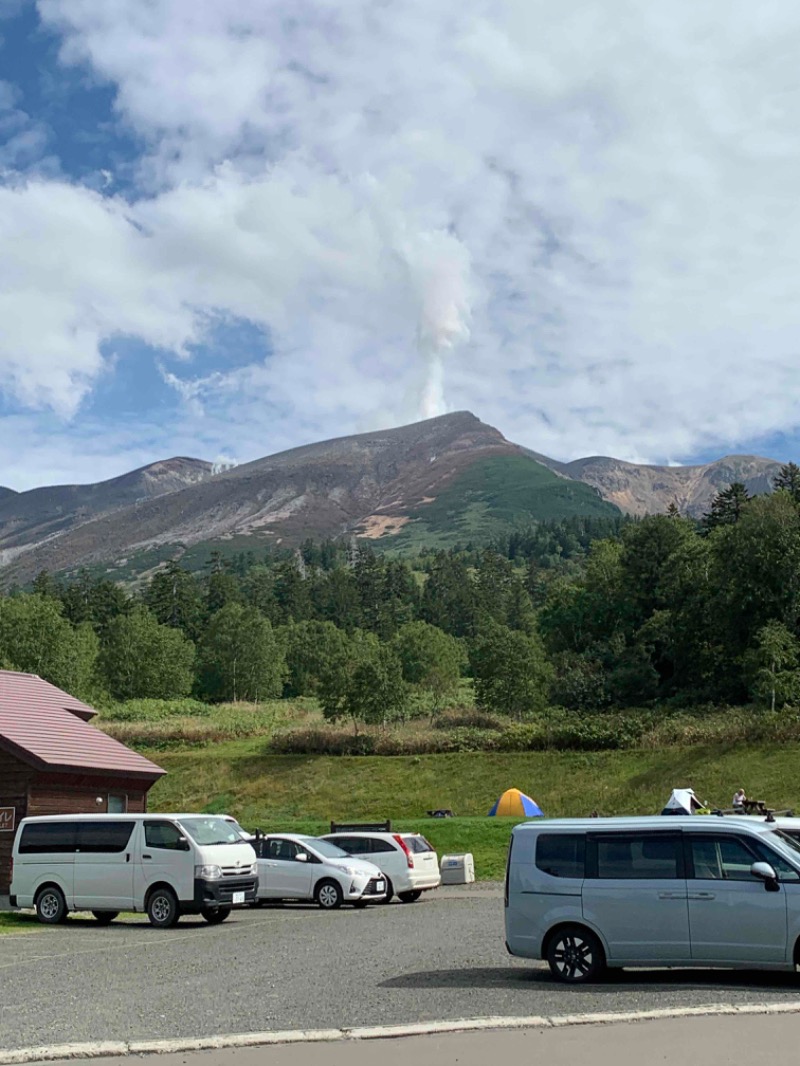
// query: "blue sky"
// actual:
[[231, 229]]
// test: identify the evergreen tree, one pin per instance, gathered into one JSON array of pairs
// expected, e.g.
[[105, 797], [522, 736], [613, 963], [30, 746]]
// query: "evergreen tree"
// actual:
[[174, 597], [788, 479], [310, 647], [364, 684], [727, 507]]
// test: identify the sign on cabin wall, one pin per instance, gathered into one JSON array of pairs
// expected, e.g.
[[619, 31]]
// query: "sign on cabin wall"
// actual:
[[7, 817]]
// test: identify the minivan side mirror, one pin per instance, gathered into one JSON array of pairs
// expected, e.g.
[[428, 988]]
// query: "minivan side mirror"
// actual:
[[766, 873]]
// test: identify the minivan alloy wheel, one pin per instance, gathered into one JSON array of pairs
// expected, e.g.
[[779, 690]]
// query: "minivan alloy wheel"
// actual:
[[575, 955]]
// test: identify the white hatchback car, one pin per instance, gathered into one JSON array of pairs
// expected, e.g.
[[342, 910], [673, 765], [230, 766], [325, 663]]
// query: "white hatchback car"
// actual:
[[292, 866], [409, 862]]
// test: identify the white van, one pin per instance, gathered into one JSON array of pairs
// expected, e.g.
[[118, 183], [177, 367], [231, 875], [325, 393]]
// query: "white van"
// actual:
[[165, 865], [591, 893]]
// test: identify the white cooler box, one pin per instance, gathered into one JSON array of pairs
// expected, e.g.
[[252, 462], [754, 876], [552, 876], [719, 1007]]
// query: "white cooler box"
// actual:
[[457, 869]]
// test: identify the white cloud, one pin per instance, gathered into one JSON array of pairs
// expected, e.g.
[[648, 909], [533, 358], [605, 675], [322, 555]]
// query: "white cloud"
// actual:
[[615, 184]]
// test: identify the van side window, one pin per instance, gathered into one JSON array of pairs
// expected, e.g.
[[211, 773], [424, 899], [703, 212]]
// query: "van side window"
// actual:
[[561, 854], [104, 837], [54, 838], [725, 858], [638, 857], [162, 835]]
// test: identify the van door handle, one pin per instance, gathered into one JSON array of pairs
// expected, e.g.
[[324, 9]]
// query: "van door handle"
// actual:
[[147, 856], [127, 856], [702, 895], [672, 895]]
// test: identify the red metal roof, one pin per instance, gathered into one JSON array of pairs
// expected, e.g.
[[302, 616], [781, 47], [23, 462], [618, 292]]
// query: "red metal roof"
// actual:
[[46, 727]]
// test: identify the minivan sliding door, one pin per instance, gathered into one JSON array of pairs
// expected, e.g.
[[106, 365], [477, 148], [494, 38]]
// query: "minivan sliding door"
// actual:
[[635, 895]]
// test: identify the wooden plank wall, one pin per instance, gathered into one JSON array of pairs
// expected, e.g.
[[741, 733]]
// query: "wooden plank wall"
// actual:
[[15, 777]]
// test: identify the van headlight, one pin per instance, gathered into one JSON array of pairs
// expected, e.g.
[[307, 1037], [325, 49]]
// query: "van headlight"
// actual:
[[254, 869], [208, 873]]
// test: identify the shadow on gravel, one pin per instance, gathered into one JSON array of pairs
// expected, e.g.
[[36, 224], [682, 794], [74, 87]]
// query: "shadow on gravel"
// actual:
[[631, 980]]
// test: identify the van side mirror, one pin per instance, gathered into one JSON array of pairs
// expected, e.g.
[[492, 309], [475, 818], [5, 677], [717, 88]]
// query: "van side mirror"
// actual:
[[183, 844], [766, 873]]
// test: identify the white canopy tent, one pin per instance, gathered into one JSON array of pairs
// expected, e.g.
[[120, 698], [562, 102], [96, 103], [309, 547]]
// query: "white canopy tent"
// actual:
[[682, 801]]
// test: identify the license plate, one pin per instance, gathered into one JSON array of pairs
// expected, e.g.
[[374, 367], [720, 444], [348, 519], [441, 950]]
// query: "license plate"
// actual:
[[238, 897], [380, 886]]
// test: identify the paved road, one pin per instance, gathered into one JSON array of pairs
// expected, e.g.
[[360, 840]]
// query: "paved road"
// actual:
[[299, 967], [675, 1042]]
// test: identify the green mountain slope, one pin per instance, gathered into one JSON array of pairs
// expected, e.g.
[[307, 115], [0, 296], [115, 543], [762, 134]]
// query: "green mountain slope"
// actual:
[[492, 495]]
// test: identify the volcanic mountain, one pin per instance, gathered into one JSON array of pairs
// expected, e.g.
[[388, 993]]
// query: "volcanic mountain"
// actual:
[[445, 481]]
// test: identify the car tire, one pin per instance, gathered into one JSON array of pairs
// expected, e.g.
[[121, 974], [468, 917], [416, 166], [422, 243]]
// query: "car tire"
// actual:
[[51, 907], [389, 892], [329, 895], [105, 917], [575, 955], [409, 897], [162, 908], [219, 914]]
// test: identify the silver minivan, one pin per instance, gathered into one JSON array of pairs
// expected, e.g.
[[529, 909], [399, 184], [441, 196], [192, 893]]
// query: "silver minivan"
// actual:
[[586, 894], [165, 865]]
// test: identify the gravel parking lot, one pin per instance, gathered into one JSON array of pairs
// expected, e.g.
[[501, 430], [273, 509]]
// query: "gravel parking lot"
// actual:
[[299, 967]]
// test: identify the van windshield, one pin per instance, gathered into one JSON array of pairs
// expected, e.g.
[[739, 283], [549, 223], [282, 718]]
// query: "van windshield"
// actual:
[[789, 842], [211, 830]]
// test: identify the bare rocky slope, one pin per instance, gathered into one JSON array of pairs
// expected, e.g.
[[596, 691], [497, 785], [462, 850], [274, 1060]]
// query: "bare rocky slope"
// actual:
[[34, 517], [638, 489], [361, 484]]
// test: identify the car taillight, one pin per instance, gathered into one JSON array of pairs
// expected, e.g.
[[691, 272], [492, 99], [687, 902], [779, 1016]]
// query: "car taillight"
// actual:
[[404, 846]]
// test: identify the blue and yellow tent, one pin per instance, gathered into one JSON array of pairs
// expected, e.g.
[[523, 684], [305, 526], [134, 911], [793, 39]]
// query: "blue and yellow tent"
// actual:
[[515, 804]]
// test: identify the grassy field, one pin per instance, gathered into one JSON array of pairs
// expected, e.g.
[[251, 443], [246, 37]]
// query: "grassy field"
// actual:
[[274, 792], [12, 924]]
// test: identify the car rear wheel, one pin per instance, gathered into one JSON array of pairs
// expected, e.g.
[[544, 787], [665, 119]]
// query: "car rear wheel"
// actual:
[[219, 914], [409, 897], [575, 955], [51, 907], [162, 909], [105, 917], [329, 895]]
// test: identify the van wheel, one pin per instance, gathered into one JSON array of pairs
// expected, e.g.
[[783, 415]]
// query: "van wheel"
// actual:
[[329, 895], [216, 916], [105, 917], [408, 897], [575, 955], [51, 907], [389, 891], [162, 908]]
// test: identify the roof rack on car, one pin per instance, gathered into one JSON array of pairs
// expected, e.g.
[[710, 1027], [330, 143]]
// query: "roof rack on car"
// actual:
[[361, 827]]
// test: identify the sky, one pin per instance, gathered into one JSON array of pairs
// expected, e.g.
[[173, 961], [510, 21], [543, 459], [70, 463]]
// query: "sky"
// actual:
[[232, 228]]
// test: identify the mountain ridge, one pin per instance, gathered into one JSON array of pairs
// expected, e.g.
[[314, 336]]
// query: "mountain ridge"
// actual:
[[438, 482]]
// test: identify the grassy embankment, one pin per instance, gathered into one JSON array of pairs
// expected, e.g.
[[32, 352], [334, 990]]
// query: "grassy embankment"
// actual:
[[219, 759]]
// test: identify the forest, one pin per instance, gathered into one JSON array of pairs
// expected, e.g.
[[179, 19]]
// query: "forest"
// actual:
[[585, 615]]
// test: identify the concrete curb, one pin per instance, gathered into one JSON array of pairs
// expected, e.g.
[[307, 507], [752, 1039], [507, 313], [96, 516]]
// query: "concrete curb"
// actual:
[[120, 1048]]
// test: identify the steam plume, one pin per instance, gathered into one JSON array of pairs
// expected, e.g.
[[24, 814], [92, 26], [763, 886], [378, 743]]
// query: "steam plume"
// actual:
[[441, 268]]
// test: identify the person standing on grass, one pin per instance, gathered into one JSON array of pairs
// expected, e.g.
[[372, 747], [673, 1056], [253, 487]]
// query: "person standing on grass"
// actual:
[[739, 800]]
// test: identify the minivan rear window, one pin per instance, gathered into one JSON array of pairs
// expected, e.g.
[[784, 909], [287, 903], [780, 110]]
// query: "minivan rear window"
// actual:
[[561, 854], [53, 838], [645, 857]]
